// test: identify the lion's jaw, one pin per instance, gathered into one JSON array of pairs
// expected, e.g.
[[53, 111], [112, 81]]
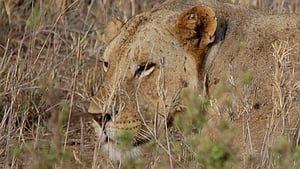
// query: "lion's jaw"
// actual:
[[110, 148]]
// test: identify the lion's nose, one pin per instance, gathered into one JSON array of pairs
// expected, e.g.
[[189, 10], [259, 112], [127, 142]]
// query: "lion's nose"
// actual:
[[102, 120]]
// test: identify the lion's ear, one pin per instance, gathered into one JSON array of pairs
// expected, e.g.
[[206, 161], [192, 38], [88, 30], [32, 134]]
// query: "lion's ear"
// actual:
[[196, 26], [111, 30]]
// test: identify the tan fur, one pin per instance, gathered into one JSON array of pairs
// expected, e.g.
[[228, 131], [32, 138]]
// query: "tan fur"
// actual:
[[199, 16], [144, 76], [111, 30], [140, 102]]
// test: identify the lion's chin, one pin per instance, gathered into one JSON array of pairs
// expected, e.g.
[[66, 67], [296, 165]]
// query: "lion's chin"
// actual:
[[116, 154], [110, 148]]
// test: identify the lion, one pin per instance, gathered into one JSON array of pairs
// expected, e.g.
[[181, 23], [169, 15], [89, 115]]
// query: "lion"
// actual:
[[158, 54], [144, 78]]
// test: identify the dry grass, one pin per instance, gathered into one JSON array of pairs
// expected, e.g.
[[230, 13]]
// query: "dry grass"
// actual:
[[284, 88], [49, 68], [270, 6]]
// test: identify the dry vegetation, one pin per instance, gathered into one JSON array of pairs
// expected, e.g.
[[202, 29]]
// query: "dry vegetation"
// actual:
[[49, 68]]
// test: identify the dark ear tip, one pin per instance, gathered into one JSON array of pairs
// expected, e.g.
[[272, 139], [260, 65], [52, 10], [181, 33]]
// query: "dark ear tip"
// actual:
[[221, 30]]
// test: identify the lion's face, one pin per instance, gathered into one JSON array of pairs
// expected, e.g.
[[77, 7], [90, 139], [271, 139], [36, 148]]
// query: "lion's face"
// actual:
[[154, 57]]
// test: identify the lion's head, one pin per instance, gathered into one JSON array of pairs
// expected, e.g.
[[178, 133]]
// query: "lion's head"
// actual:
[[155, 55]]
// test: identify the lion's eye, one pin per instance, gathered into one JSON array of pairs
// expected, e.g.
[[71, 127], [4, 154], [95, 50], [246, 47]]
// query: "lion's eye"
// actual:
[[105, 66], [144, 69], [192, 16]]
